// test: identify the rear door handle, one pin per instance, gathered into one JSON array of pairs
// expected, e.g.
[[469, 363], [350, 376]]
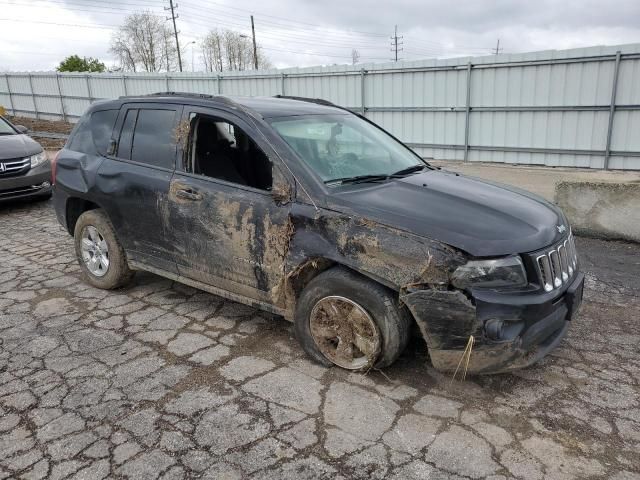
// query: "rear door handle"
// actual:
[[188, 195]]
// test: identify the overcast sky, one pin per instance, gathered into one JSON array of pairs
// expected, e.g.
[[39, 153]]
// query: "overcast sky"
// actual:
[[37, 34]]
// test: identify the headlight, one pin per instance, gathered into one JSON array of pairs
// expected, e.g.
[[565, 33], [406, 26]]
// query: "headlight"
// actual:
[[500, 272], [38, 159]]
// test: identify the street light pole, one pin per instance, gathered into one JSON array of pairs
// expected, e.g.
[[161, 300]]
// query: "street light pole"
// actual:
[[192, 43]]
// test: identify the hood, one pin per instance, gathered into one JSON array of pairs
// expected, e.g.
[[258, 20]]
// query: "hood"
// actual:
[[479, 217], [17, 146]]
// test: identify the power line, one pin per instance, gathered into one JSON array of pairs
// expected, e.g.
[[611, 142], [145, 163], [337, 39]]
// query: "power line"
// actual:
[[285, 19], [316, 54], [92, 25]]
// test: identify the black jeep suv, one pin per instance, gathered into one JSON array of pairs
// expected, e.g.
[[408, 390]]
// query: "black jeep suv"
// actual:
[[308, 210]]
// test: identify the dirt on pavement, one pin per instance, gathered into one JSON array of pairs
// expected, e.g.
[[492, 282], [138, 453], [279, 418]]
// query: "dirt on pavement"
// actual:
[[35, 125]]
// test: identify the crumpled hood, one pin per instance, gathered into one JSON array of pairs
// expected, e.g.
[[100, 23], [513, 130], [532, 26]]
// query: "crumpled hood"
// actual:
[[17, 146], [479, 217]]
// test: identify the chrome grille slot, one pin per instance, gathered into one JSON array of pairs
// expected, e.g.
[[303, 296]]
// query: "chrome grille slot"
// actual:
[[557, 265], [564, 264], [14, 165], [545, 272]]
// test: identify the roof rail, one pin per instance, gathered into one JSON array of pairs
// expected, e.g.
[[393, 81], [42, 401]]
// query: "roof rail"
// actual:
[[319, 101], [204, 96]]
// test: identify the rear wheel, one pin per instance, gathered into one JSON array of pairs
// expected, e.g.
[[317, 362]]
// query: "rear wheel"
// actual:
[[100, 255], [347, 320]]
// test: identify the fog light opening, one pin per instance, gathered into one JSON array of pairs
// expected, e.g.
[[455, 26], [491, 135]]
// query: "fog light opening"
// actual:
[[494, 328], [498, 329]]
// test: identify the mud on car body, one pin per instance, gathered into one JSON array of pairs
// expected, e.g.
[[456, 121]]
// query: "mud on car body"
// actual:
[[310, 211]]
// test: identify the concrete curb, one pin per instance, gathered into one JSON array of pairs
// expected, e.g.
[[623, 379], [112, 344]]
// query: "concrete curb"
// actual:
[[603, 210]]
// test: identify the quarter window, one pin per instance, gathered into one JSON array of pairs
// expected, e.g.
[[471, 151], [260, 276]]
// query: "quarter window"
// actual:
[[93, 133], [102, 123]]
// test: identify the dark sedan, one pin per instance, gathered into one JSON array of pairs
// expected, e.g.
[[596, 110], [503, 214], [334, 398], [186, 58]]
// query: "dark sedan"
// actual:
[[25, 170]]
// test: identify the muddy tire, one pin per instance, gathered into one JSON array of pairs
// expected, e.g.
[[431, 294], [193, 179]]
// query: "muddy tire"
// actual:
[[347, 320], [100, 255]]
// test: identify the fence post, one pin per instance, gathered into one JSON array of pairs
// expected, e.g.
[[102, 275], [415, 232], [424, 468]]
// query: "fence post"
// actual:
[[62, 110], [362, 106], [89, 89], [124, 84], [13, 110], [467, 114], [218, 84], [166, 82], [612, 110], [282, 84], [33, 96]]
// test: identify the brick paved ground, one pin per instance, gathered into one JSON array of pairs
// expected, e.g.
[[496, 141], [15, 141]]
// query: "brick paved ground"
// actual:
[[161, 380]]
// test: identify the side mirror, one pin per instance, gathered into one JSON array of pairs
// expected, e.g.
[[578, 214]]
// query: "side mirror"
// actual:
[[21, 129]]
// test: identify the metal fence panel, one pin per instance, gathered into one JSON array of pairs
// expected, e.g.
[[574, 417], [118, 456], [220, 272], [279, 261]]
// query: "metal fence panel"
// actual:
[[574, 108]]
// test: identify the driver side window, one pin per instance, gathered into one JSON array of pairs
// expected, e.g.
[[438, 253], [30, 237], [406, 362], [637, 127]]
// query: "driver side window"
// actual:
[[220, 149]]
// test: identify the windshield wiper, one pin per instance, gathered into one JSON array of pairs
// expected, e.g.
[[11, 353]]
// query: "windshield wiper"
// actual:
[[377, 177], [358, 179], [408, 170]]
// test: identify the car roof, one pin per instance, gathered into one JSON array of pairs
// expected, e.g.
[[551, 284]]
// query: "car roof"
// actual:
[[266, 107]]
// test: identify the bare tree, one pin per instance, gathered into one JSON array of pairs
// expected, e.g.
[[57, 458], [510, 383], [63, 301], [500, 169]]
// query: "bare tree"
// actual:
[[211, 47], [355, 56], [144, 43], [229, 50]]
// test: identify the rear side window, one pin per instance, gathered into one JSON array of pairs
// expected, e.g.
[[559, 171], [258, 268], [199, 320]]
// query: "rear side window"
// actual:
[[147, 137], [93, 133]]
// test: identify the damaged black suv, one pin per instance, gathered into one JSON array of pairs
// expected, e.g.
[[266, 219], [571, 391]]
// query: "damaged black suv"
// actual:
[[313, 212]]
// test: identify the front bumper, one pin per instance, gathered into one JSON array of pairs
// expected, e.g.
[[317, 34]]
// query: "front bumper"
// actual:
[[36, 182], [448, 318]]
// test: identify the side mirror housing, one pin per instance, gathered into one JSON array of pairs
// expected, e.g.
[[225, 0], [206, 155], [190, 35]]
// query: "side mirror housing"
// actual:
[[22, 129]]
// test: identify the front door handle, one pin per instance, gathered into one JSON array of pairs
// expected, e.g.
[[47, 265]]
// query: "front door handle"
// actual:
[[188, 195]]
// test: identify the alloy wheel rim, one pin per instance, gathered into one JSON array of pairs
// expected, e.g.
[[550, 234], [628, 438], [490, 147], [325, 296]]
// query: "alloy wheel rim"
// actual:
[[95, 251], [345, 333]]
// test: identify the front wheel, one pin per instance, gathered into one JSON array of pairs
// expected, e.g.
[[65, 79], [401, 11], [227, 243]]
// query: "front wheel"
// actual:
[[100, 255], [347, 320]]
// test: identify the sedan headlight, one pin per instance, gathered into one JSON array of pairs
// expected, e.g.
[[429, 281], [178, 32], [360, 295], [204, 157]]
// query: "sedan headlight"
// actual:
[[499, 272], [38, 159]]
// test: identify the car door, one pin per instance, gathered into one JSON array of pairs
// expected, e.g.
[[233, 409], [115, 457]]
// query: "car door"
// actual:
[[233, 229], [134, 182]]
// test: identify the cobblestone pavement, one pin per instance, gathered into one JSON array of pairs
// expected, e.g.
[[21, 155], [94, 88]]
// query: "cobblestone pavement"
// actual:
[[162, 380]]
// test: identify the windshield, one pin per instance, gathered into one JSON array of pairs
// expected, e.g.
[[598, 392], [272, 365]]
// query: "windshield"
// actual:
[[339, 147], [5, 128]]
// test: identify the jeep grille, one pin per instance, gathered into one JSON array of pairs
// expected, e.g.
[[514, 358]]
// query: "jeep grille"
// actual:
[[557, 265]]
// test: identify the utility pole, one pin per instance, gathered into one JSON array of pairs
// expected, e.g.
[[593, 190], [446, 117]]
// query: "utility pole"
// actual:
[[395, 44], [173, 17], [255, 50], [498, 49]]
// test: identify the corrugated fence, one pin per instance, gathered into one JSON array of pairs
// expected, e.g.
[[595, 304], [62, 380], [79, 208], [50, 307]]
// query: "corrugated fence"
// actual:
[[570, 108]]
